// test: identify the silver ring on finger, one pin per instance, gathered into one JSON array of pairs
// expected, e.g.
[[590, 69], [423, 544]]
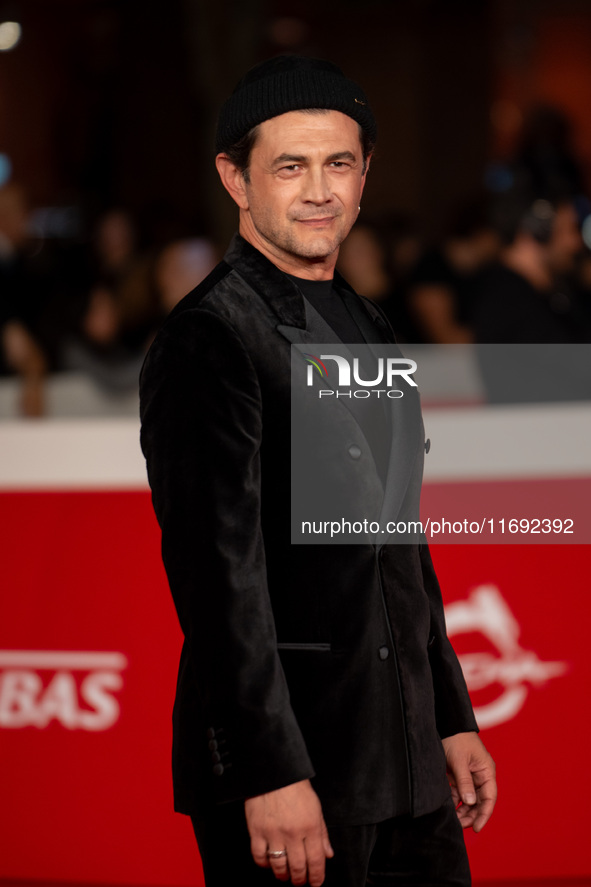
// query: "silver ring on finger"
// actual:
[[276, 854]]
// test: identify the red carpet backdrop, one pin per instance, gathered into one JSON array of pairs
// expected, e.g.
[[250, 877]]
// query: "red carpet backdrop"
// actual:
[[89, 645]]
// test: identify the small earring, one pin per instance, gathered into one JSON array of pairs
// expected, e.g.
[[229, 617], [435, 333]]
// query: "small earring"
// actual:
[[359, 208]]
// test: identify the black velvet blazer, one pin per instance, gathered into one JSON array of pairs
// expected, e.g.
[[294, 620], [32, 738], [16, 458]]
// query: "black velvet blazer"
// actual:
[[328, 662]]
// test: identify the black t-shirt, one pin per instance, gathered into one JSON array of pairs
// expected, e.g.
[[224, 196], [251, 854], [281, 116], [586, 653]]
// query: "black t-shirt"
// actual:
[[331, 307]]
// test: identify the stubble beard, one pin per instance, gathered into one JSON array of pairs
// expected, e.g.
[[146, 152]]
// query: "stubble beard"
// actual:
[[286, 238], [319, 247]]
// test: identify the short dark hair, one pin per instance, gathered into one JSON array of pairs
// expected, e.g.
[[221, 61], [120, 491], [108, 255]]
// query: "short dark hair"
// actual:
[[239, 153]]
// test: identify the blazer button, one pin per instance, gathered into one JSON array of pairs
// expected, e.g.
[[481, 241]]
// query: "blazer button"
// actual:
[[212, 745], [383, 652], [218, 769], [354, 451], [427, 444], [216, 757], [210, 733]]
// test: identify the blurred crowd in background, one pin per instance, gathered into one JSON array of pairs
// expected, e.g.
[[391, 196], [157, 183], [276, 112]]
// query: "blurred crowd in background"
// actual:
[[90, 303], [475, 225], [514, 266]]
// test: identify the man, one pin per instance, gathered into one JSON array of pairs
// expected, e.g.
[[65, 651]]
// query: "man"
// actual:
[[524, 296], [526, 302], [314, 678]]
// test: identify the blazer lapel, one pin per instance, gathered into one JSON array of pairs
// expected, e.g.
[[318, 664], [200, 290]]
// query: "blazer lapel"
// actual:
[[319, 332], [367, 314], [405, 469], [272, 285], [405, 466]]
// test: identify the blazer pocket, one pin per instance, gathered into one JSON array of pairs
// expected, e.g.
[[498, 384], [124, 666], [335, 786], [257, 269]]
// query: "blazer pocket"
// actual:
[[316, 648]]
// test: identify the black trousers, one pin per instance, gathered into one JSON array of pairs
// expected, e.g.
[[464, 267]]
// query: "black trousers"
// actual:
[[428, 851]]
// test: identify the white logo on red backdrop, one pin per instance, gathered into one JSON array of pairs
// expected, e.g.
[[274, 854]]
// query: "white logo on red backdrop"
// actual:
[[76, 689], [509, 670]]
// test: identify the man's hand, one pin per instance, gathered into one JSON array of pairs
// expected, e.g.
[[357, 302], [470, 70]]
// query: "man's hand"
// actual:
[[290, 819], [471, 774]]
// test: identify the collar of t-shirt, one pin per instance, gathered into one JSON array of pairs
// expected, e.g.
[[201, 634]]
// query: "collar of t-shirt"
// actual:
[[331, 307]]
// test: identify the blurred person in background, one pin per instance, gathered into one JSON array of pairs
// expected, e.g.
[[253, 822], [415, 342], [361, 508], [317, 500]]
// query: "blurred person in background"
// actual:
[[528, 294], [132, 294], [440, 289], [530, 298], [404, 246], [363, 263], [114, 243], [119, 310], [376, 259], [179, 267], [545, 161], [21, 352]]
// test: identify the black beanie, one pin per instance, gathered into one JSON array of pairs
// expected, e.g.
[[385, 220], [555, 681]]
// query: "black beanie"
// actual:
[[290, 83]]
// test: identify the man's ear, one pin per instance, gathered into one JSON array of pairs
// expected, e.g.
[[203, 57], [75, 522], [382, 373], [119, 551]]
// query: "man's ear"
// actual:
[[366, 163], [232, 180]]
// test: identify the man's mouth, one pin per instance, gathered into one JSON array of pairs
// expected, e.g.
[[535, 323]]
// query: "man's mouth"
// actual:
[[319, 222]]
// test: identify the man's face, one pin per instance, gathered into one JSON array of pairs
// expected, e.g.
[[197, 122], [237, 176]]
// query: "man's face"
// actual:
[[303, 189]]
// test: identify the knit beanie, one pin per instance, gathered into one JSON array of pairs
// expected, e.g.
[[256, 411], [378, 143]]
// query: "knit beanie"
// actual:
[[290, 83]]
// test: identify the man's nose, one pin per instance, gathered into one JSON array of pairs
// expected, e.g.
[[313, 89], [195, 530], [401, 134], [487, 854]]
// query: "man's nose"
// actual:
[[315, 187]]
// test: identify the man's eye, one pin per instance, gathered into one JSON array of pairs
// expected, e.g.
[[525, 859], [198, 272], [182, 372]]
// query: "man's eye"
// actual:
[[339, 164], [292, 167]]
